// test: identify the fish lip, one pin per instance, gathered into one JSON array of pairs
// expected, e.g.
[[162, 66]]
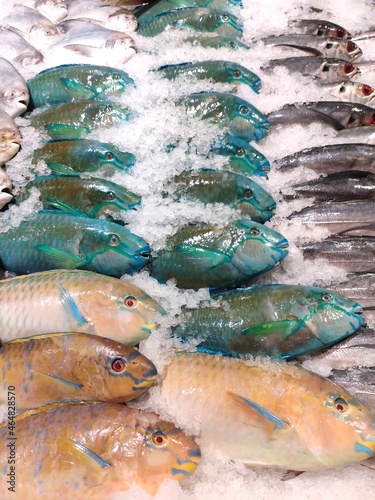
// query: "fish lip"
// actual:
[[283, 244]]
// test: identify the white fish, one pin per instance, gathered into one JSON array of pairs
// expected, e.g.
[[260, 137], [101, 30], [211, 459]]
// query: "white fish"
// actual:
[[355, 92], [14, 94], [17, 50], [54, 10], [10, 137], [5, 188]]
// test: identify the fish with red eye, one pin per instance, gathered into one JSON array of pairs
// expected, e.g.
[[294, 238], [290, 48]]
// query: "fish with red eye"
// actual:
[[319, 28], [341, 405]]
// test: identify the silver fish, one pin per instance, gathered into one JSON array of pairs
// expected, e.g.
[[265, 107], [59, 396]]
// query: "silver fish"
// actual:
[[319, 27], [54, 10], [14, 94], [359, 382], [355, 92], [317, 46], [17, 49], [359, 287], [5, 189], [323, 68], [10, 137]]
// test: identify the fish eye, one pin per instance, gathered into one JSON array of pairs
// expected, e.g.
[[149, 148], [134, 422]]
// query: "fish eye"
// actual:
[[320, 32], [342, 88], [231, 45], [116, 76], [244, 110], [254, 232], [326, 297], [236, 73], [341, 405], [113, 240], [340, 32], [367, 89], [109, 156], [118, 365], [329, 45], [130, 301], [348, 68], [108, 108], [248, 194], [225, 18], [350, 46], [111, 195], [240, 151], [325, 68], [159, 438]]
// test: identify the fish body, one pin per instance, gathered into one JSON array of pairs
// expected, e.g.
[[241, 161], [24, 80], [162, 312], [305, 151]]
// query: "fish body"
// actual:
[[322, 68], [5, 188], [91, 196], [111, 17], [214, 256], [93, 450], [242, 119], [195, 18], [237, 191], [329, 46], [75, 301], [83, 155], [72, 120], [352, 253], [360, 382], [339, 115], [14, 94], [72, 366], [332, 158], [281, 321], [19, 52], [54, 10], [356, 92], [77, 82], [10, 137], [320, 27], [268, 415], [216, 71], [215, 41], [59, 240], [359, 287]]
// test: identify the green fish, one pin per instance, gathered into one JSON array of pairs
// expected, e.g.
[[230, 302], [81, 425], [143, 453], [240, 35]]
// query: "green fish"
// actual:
[[195, 18], [90, 196], [215, 41], [243, 119], [216, 71], [71, 121], [51, 239], [281, 321], [237, 191], [76, 82], [217, 256], [65, 157]]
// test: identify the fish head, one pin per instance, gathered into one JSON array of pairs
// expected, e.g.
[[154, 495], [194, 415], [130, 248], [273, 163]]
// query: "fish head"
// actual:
[[29, 57], [122, 47], [107, 157], [253, 200], [111, 371], [10, 141], [42, 33], [15, 99], [5, 189], [244, 158], [123, 20], [224, 24], [248, 123], [106, 113], [342, 69], [54, 10], [110, 81], [104, 196], [113, 250], [167, 453], [328, 315], [352, 50], [356, 92], [236, 73]]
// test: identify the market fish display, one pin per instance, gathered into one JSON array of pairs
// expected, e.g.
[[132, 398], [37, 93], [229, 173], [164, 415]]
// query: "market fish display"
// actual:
[[77, 82], [269, 415], [94, 450], [281, 321], [72, 366], [83, 155], [111, 17], [199, 256], [72, 120], [53, 239], [14, 94], [91, 196], [78, 301], [319, 27], [216, 71], [10, 137], [242, 119], [18, 51], [237, 191]]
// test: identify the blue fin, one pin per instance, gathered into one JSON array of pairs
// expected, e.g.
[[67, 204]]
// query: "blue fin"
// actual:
[[60, 259], [70, 306], [203, 258], [63, 207], [61, 130]]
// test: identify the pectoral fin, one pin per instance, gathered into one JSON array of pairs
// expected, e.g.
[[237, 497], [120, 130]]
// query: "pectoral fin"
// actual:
[[60, 259], [70, 307], [63, 130], [257, 416], [58, 168], [86, 463], [82, 50], [202, 258], [282, 329], [78, 90], [46, 379], [63, 207]]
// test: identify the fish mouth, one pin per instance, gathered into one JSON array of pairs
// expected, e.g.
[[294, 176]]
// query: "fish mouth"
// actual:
[[283, 244], [149, 328]]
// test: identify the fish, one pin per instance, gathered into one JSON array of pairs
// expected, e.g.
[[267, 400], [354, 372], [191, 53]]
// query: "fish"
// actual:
[[90, 40], [337, 216], [215, 41], [329, 46], [5, 189], [326, 69], [235, 190], [242, 119], [92, 196], [78, 301], [19, 52], [93, 450], [195, 18], [54, 10], [14, 94], [339, 115], [216, 71], [10, 138], [52, 239], [320, 28], [331, 158], [360, 382], [72, 366], [356, 92], [111, 17], [352, 253], [67, 157], [358, 286], [77, 82], [340, 186], [72, 120], [244, 158], [268, 414], [199, 256], [281, 321]]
